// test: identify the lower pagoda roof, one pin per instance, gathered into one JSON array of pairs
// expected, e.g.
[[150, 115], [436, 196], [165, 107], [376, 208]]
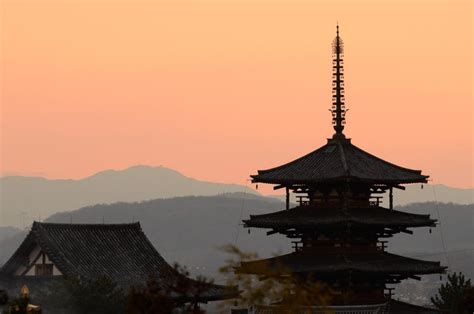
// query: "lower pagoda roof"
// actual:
[[391, 306], [310, 217], [339, 160], [320, 263]]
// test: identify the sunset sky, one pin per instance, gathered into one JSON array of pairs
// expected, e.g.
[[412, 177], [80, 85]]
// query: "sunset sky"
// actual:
[[219, 89]]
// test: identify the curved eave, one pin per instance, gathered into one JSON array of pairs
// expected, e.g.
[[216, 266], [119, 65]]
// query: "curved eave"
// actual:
[[260, 178], [309, 218], [344, 223], [380, 263]]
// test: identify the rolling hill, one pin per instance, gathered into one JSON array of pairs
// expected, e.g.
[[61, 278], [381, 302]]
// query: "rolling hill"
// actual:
[[189, 230], [24, 199]]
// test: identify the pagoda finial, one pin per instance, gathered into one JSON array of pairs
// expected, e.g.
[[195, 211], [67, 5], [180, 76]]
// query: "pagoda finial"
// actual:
[[338, 107]]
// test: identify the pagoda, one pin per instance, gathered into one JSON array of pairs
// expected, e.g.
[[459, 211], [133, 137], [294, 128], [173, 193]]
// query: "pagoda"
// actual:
[[339, 227]]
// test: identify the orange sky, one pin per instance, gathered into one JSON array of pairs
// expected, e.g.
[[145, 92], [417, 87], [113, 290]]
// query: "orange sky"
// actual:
[[219, 89]]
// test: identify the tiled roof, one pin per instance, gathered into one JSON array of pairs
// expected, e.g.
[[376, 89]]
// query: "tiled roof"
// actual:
[[324, 263], [121, 252], [391, 306], [308, 217], [337, 160]]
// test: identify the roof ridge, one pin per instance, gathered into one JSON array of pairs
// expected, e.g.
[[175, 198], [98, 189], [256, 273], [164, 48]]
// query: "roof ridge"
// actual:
[[37, 224]]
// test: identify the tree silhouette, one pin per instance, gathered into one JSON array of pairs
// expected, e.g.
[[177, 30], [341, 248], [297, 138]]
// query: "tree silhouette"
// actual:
[[291, 293], [163, 296], [453, 295]]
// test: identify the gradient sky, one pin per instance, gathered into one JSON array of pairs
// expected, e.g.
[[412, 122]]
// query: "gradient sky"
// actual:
[[219, 89]]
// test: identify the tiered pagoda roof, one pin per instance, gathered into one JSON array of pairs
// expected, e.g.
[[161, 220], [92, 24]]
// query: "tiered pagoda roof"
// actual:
[[309, 217], [320, 263], [339, 160]]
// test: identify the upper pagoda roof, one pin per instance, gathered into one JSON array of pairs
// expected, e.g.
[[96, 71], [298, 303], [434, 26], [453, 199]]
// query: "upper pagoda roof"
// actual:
[[121, 252], [339, 160], [308, 217], [326, 263]]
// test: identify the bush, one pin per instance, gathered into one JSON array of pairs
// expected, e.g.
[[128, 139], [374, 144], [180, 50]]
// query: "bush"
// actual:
[[98, 296], [164, 297]]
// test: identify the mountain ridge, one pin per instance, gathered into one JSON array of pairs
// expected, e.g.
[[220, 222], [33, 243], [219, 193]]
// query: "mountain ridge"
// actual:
[[24, 199]]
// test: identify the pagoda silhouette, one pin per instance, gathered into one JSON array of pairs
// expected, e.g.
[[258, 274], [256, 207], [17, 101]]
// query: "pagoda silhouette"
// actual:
[[339, 226]]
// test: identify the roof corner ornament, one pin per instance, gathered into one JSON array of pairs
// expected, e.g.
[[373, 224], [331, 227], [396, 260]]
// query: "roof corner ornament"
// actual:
[[338, 108]]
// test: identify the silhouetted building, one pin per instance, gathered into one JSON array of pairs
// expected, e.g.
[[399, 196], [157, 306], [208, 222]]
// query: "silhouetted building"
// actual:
[[339, 225], [120, 252]]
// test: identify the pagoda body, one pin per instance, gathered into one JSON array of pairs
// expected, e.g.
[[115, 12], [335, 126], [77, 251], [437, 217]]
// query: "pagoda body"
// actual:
[[339, 228]]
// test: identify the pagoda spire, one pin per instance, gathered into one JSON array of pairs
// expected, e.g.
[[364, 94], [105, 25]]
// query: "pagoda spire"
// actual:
[[338, 107]]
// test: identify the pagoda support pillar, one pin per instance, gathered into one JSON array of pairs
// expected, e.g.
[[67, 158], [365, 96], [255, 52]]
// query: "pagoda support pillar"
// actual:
[[287, 198], [390, 197]]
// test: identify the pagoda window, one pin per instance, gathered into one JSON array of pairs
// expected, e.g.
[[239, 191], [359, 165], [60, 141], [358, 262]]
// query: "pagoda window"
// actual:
[[44, 270]]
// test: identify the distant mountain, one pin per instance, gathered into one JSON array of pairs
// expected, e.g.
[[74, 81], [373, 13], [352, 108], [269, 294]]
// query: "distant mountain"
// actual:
[[454, 231], [24, 199], [189, 230], [433, 193], [7, 232]]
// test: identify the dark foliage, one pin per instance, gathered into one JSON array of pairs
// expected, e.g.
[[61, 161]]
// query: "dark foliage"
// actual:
[[162, 298], [455, 295], [291, 293], [467, 301], [3, 297], [98, 296]]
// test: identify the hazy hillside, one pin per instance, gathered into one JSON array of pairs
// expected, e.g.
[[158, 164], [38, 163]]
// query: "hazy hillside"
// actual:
[[24, 199], [7, 232], [189, 229], [433, 193], [455, 227]]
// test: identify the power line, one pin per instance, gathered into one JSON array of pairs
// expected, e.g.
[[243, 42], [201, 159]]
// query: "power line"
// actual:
[[241, 213], [440, 226]]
